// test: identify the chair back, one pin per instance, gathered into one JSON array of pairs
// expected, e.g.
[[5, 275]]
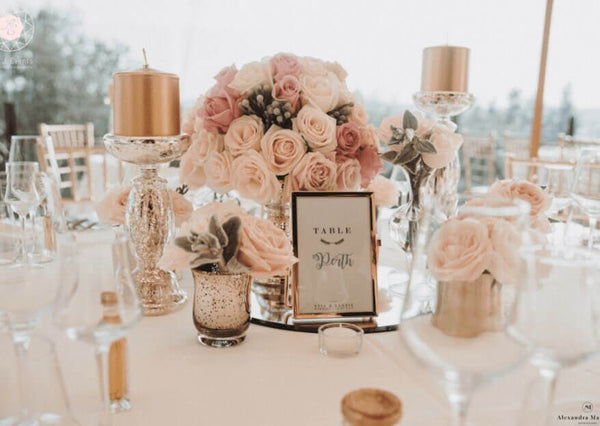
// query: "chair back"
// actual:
[[517, 146], [531, 169], [479, 161], [69, 135]]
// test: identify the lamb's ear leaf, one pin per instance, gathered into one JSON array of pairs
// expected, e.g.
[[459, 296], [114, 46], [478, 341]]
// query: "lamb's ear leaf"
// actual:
[[203, 259], [390, 156], [409, 121], [184, 243], [232, 228], [424, 146], [407, 154], [236, 266], [215, 228]]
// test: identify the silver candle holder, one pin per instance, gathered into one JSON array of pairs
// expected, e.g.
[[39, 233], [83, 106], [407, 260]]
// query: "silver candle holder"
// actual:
[[149, 216]]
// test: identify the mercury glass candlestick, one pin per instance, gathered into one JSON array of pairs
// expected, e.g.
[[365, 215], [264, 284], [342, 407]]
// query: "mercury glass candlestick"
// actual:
[[149, 216]]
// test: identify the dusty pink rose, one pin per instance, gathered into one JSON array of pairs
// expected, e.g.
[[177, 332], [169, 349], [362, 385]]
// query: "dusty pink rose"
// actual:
[[182, 208], [113, 205], [370, 163], [504, 262], [244, 134], [385, 191], [264, 248], [314, 173], [322, 92], [288, 89], [252, 75], [283, 65], [447, 145], [282, 149], [252, 178], [317, 128], [218, 171], [539, 200], [220, 106], [459, 250], [348, 139], [348, 175]]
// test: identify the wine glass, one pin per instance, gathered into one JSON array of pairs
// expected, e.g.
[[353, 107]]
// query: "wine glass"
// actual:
[[22, 195], [585, 189], [28, 293], [461, 291], [558, 311], [24, 148], [105, 284]]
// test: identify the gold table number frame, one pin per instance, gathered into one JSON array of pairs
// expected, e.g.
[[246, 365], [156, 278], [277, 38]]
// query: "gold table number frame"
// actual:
[[335, 240]]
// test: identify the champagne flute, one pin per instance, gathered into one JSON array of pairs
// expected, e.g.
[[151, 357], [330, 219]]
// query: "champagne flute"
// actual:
[[104, 278], [22, 195], [585, 189]]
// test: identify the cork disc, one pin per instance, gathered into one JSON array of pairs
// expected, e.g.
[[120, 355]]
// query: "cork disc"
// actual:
[[371, 407]]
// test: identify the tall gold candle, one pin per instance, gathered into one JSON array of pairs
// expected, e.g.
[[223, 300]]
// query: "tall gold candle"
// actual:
[[145, 103], [445, 69]]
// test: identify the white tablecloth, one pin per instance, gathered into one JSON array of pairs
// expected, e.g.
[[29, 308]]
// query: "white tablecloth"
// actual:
[[279, 377]]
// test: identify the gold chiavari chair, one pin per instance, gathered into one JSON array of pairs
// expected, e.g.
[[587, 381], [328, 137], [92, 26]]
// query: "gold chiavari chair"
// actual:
[[531, 168], [517, 146], [479, 162], [571, 145]]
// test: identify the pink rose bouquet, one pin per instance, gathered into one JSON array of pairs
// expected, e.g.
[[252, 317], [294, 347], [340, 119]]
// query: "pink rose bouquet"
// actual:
[[222, 237], [283, 119]]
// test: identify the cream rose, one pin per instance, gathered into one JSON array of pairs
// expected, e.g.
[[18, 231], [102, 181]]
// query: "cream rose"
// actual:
[[337, 69], [218, 171], [359, 115], [252, 75], [204, 143], [539, 200], [190, 173], [244, 134], [313, 66], [252, 178], [282, 149], [504, 262], [385, 191], [317, 128], [459, 250], [314, 173], [113, 205], [446, 145], [348, 175], [264, 248], [182, 208], [322, 92]]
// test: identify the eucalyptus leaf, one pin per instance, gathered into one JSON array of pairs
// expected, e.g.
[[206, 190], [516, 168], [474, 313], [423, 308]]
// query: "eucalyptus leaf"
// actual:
[[409, 121], [424, 146]]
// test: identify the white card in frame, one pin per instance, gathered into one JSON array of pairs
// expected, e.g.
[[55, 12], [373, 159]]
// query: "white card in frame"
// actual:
[[335, 242]]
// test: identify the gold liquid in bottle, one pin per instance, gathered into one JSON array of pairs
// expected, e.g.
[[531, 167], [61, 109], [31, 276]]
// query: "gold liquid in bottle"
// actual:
[[117, 356]]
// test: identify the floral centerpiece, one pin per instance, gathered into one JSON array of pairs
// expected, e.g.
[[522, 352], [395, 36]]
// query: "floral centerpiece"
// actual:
[[283, 123], [420, 146]]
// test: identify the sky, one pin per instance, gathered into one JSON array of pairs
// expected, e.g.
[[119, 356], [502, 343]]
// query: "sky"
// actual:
[[379, 42]]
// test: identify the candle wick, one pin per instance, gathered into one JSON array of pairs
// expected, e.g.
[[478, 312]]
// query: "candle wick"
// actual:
[[145, 58]]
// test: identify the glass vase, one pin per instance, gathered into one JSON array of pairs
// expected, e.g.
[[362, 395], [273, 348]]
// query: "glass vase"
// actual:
[[221, 307], [444, 186]]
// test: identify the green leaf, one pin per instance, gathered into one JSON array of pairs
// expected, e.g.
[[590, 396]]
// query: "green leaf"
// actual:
[[409, 121], [390, 156], [407, 154], [424, 146]]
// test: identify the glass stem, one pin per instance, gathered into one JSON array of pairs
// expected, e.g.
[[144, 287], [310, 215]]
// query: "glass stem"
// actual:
[[22, 242], [593, 223], [21, 343], [102, 361], [548, 376], [459, 404]]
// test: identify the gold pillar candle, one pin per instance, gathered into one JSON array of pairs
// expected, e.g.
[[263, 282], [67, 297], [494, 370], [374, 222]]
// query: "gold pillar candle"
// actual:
[[145, 103], [445, 69]]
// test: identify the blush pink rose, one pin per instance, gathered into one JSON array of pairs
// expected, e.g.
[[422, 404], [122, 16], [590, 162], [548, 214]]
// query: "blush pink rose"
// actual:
[[337, 69], [264, 248], [283, 65], [244, 134], [113, 205], [322, 92], [358, 115], [314, 173], [282, 149], [385, 191], [539, 200], [190, 173], [317, 128], [218, 171], [252, 75], [220, 106], [504, 262], [204, 143], [446, 145], [348, 139], [370, 163], [182, 208], [460, 250], [313, 66], [252, 178], [288, 89], [348, 175]]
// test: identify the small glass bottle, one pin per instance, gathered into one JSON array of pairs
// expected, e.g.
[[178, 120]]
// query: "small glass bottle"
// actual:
[[117, 357], [372, 407]]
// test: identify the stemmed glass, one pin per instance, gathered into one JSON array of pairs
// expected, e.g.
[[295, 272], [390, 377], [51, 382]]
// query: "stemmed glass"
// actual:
[[22, 195], [586, 188], [28, 293], [558, 311], [105, 284], [461, 291]]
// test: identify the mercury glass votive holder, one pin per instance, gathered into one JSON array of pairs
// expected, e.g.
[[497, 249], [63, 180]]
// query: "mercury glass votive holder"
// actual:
[[340, 339]]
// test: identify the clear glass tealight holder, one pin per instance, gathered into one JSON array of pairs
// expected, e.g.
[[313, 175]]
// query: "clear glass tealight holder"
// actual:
[[340, 339]]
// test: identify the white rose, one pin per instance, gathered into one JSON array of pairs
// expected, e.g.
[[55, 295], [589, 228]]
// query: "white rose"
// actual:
[[320, 91], [244, 133], [317, 128], [251, 75]]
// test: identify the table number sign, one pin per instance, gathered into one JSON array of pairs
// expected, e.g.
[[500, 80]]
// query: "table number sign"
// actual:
[[335, 242]]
